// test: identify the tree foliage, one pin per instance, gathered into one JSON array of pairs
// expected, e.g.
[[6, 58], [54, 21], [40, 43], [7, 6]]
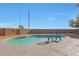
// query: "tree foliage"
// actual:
[[74, 23], [21, 27]]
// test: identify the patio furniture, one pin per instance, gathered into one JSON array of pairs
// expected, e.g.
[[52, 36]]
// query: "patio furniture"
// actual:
[[59, 36]]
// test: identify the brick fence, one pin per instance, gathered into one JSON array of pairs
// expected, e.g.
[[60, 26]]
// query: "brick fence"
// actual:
[[14, 31], [50, 31], [2, 31]]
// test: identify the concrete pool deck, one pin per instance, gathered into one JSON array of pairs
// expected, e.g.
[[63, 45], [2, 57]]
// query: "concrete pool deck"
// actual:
[[67, 47]]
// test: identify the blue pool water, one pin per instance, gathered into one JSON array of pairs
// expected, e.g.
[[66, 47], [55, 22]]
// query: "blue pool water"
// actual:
[[28, 39], [23, 40]]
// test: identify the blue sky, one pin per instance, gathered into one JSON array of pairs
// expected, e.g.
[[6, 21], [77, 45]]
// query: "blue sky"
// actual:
[[42, 15]]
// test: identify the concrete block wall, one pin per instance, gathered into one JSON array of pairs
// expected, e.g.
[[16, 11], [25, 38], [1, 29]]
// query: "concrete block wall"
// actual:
[[2, 31], [50, 31], [14, 31], [23, 31], [11, 31]]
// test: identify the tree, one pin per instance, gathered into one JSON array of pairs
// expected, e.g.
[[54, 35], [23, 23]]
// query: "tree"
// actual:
[[71, 22], [77, 4], [74, 23], [21, 27]]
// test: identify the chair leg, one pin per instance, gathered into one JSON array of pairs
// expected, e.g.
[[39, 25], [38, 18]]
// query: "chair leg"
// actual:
[[48, 39], [60, 39], [52, 40], [56, 39]]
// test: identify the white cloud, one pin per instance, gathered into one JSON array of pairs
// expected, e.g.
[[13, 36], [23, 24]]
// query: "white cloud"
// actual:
[[4, 25]]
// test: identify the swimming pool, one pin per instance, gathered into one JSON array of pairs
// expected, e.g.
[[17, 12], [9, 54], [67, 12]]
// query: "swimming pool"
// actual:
[[29, 39]]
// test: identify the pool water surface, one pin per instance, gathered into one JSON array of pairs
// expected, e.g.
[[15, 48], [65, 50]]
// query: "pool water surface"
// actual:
[[28, 39]]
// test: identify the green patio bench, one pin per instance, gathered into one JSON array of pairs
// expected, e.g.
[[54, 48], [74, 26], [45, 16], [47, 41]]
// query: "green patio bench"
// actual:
[[56, 37], [59, 36]]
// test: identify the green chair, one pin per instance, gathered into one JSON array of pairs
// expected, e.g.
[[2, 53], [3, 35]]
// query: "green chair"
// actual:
[[59, 36]]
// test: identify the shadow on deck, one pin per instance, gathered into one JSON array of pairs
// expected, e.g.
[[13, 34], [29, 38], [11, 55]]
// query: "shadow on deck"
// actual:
[[45, 43]]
